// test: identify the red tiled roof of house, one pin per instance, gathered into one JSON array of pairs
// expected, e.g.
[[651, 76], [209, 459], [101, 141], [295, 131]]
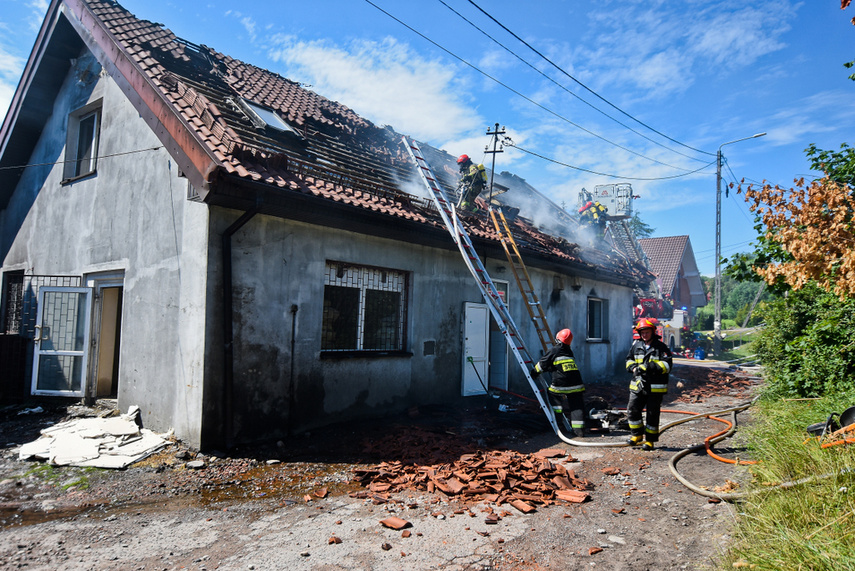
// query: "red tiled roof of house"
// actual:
[[665, 256], [331, 153]]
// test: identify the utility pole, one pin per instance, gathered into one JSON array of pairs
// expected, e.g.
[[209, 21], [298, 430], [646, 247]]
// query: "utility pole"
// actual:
[[717, 318], [493, 152]]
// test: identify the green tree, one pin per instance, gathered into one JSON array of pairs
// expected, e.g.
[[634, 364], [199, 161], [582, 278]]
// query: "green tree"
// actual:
[[640, 228]]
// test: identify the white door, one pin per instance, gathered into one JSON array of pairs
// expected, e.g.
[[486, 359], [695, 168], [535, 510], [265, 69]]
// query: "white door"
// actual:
[[61, 341], [476, 336]]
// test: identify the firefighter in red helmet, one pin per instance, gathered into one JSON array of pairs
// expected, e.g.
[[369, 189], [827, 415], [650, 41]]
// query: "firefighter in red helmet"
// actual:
[[473, 180], [566, 390], [649, 360]]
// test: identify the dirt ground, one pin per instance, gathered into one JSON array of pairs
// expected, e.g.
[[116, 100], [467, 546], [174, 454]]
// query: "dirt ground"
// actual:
[[296, 504]]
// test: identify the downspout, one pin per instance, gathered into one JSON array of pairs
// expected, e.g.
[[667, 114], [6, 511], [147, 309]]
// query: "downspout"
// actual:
[[228, 331], [294, 309]]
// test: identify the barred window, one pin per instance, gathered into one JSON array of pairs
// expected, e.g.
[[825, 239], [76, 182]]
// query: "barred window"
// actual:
[[365, 308]]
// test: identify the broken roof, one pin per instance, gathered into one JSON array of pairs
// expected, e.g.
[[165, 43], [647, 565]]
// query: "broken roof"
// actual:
[[323, 164]]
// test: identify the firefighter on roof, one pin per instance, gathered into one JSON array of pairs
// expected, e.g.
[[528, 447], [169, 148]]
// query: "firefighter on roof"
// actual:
[[473, 180], [594, 214], [649, 361], [566, 388]]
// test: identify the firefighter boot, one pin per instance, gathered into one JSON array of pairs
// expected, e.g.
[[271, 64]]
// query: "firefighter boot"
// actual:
[[647, 446], [635, 440]]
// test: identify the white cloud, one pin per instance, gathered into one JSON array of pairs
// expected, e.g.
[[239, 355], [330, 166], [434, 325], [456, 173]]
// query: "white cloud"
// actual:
[[10, 72], [822, 112], [386, 82], [664, 47]]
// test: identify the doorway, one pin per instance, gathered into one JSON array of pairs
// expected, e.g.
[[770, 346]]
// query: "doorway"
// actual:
[[107, 333]]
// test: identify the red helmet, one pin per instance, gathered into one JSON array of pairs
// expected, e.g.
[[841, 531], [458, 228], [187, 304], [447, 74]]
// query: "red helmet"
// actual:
[[646, 323], [462, 159], [564, 336]]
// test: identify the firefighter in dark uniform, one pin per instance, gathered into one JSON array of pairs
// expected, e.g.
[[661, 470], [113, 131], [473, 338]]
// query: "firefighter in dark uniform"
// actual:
[[566, 389], [649, 361], [473, 180]]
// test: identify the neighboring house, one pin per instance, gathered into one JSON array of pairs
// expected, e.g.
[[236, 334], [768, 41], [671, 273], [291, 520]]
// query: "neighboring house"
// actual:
[[236, 254], [672, 261]]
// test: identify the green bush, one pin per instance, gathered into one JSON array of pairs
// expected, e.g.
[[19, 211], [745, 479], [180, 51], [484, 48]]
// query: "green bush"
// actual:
[[808, 344]]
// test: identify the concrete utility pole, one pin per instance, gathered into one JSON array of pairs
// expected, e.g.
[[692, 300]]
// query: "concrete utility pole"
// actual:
[[500, 149], [717, 318]]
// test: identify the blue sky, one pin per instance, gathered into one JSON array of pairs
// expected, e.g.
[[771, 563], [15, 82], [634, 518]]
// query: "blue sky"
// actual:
[[644, 90]]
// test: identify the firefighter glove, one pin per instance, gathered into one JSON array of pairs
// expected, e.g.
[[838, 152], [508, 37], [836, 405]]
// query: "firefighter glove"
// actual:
[[534, 373], [642, 368]]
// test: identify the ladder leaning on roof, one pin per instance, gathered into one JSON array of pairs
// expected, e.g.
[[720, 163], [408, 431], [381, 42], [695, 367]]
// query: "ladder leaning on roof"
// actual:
[[532, 304], [488, 289]]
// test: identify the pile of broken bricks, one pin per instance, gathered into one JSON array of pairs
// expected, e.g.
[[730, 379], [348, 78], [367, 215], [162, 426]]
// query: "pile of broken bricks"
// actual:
[[701, 384], [523, 481]]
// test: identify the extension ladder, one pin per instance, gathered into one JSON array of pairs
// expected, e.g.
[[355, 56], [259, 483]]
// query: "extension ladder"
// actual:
[[532, 304], [488, 290]]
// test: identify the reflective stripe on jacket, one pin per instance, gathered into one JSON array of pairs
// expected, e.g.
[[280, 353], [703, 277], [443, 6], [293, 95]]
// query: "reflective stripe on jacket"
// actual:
[[656, 360], [560, 362]]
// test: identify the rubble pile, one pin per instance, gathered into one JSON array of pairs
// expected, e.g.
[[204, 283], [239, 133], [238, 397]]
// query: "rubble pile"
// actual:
[[499, 476], [702, 383]]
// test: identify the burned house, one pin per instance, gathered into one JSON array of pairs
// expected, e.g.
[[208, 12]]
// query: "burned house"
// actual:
[[237, 255]]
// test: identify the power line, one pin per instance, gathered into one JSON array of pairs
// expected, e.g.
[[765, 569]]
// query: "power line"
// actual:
[[538, 155], [78, 160], [591, 91], [515, 92], [598, 110]]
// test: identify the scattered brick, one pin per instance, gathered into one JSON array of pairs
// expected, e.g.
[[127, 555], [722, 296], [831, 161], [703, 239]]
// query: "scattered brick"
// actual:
[[494, 476], [395, 522], [594, 550], [386, 546], [334, 540]]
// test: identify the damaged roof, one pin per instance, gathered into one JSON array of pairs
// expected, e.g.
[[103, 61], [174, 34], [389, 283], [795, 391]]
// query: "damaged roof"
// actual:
[[219, 118]]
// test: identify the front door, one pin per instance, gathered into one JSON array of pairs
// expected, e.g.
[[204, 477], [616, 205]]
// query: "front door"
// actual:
[[61, 341], [476, 335]]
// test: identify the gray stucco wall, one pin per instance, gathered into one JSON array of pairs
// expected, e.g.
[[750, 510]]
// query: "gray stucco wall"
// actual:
[[131, 217], [278, 264]]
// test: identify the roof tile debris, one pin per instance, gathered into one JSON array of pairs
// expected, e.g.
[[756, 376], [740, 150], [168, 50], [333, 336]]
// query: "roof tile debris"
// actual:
[[499, 476], [701, 384]]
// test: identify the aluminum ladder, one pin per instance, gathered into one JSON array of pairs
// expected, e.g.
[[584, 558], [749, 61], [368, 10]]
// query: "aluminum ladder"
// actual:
[[488, 290]]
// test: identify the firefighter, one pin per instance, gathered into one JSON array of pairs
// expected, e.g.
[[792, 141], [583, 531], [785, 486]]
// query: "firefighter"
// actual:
[[566, 388], [473, 179], [649, 360], [594, 214]]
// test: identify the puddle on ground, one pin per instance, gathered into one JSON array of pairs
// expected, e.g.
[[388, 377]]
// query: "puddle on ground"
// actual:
[[272, 486]]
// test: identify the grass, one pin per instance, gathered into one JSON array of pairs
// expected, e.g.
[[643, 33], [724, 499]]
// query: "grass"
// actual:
[[62, 477], [807, 526]]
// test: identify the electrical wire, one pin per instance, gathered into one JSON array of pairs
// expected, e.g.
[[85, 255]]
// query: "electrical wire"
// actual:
[[564, 88], [521, 95], [538, 155], [77, 160], [585, 86]]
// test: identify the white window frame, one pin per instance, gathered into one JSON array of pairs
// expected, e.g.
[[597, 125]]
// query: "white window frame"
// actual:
[[363, 279], [597, 322]]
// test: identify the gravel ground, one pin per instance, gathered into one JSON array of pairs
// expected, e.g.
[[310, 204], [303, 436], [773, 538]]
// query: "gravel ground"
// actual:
[[295, 505]]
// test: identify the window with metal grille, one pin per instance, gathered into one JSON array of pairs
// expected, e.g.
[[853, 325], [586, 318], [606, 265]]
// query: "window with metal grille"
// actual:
[[20, 297], [365, 308], [598, 319]]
